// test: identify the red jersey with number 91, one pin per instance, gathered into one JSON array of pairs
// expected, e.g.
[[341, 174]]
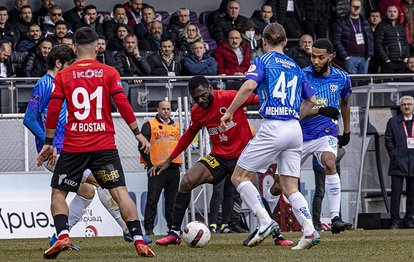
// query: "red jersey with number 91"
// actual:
[[87, 86]]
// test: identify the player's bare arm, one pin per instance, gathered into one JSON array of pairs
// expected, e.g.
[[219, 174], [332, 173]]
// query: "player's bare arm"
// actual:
[[48, 152], [145, 145], [306, 106], [245, 90]]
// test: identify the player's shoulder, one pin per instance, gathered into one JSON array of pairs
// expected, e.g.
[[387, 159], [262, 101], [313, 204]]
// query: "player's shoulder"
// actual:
[[336, 72]]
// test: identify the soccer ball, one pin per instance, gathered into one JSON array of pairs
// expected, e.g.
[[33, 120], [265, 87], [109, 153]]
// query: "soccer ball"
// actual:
[[196, 234]]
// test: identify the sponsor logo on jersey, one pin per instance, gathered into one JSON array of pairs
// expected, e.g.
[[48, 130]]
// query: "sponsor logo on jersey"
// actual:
[[89, 73], [285, 63], [333, 88], [105, 177], [215, 130], [251, 68]]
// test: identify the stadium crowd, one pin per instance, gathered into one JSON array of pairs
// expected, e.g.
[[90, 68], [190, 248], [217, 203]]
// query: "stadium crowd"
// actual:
[[369, 36]]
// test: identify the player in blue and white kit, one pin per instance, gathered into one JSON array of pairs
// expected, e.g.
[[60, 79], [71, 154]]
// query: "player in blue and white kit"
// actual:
[[35, 117], [281, 88], [332, 88]]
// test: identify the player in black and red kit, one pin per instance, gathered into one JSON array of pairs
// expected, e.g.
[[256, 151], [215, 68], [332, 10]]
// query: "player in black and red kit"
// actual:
[[226, 146], [87, 86]]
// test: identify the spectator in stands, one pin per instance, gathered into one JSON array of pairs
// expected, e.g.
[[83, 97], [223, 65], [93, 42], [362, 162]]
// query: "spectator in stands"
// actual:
[[152, 40], [290, 15], [400, 146], [252, 37], [74, 15], [111, 23], [178, 22], [91, 19], [165, 62], [316, 18], [60, 31], [264, 17], [6, 31], [410, 64], [354, 41], [301, 53], [69, 41], [407, 10], [391, 43], [233, 55], [198, 61], [14, 13], [25, 18], [374, 19], [116, 43], [369, 6], [143, 27], [34, 64], [134, 10], [39, 15], [104, 56], [130, 61], [48, 25], [232, 20], [6, 69], [28, 41], [190, 35]]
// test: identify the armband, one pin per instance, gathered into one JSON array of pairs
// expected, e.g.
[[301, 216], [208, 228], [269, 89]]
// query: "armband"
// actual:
[[49, 141], [136, 131]]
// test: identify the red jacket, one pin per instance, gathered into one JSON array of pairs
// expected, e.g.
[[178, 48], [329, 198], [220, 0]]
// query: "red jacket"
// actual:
[[129, 13], [227, 60]]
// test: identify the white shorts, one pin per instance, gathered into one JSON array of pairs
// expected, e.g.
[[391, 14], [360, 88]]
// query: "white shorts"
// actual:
[[278, 142], [318, 146]]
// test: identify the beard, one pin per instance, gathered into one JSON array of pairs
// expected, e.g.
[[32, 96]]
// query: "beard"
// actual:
[[323, 70]]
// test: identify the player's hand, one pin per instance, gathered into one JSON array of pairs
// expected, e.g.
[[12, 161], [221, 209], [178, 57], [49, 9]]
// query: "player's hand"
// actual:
[[344, 140], [158, 168], [145, 145], [225, 120], [329, 111], [46, 154]]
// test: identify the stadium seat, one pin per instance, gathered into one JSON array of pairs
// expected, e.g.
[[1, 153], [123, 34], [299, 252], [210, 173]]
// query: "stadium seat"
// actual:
[[212, 45], [194, 17], [165, 17], [17, 59], [204, 18]]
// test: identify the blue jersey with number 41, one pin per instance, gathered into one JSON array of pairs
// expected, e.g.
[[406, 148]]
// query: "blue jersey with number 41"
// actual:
[[281, 86]]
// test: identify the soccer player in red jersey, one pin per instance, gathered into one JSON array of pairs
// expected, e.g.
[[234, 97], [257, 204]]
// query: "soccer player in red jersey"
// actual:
[[88, 86]]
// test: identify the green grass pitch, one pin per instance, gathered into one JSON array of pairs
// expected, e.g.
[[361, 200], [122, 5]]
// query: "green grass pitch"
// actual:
[[359, 245]]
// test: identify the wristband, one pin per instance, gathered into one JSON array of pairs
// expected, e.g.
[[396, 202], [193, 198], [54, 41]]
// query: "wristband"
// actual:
[[49, 141], [136, 131]]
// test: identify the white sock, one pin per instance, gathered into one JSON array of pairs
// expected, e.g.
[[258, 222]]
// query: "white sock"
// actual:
[[271, 199], [138, 237], [301, 210], [253, 200], [333, 191], [109, 203], [77, 208]]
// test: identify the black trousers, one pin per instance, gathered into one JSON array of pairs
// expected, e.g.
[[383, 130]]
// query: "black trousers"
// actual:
[[168, 181], [222, 195], [317, 29], [396, 191]]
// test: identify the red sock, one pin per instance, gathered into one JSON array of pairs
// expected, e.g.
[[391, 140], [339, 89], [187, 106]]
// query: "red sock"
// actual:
[[63, 236]]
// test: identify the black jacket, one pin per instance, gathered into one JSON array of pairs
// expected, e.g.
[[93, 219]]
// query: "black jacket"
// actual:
[[34, 65], [342, 35], [158, 65], [391, 42], [128, 65], [72, 17], [107, 58], [221, 29], [299, 55], [401, 158]]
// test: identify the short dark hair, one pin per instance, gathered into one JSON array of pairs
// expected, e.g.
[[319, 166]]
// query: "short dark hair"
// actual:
[[60, 52], [118, 6], [88, 7], [61, 22], [85, 35], [197, 81], [3, 8], [24, 7], [323, 43]]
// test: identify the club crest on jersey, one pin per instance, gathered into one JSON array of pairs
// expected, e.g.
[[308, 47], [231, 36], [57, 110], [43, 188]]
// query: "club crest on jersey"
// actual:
[[119, 83], [223, 110], [251, 68], [333, 88]]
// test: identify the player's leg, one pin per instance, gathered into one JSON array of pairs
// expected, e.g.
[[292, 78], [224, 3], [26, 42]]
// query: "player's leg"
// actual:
[[107, 170], [198, 174], [326, 155], [215, 203], [80, 203], [66, 177], [272, 195]]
